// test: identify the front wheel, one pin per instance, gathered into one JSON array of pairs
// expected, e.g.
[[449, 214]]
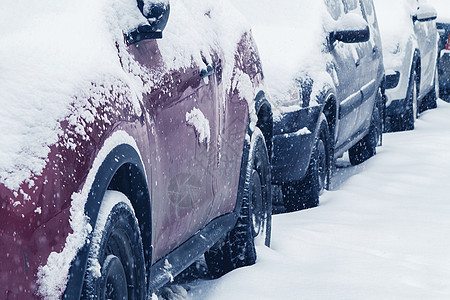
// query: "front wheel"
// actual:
[[305, 193], [116, 267], [254, 222]]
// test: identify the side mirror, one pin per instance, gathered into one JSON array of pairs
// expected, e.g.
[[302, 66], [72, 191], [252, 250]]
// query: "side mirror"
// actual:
[[157, 14], [425, 12], [352, 28]]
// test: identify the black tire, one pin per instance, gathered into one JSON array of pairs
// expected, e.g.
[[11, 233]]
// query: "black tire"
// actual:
[[430, 100], [367, 146], [255, 220], [116, 266], [305, 193], [406, 121]]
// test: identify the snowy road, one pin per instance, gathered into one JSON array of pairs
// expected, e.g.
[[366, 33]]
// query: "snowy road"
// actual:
[[383, 232]]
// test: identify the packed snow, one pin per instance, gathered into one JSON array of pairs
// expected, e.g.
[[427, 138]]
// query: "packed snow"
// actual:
[[381, 233], [197, 119]]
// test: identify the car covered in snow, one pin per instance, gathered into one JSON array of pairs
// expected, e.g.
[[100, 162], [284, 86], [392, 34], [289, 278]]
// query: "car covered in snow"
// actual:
[[324, 72], [128, 152], [443, 27], [410, 43]]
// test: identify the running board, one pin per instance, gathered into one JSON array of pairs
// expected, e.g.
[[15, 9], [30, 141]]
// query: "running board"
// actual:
[[164, 270]]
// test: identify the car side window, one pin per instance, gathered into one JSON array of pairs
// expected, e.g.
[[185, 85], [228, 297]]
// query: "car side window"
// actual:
[[335, 8]]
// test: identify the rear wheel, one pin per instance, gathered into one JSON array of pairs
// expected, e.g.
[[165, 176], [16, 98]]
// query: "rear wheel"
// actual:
[[407, 120], [367, 147], [305, 193], [116, 267], [254, 223], [430, 100]]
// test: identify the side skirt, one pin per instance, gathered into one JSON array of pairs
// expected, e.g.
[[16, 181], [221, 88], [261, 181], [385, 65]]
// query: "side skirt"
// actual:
[[339, 151], [176, 261]]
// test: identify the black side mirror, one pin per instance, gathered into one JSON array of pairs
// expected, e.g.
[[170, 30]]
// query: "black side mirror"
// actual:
[[425, 13], [157, 14], [350, 36]]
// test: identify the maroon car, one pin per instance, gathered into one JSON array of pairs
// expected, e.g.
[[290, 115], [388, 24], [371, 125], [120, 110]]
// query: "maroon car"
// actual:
[[135, 157]]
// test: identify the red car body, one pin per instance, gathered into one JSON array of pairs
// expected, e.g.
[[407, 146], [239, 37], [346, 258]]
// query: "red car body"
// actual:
[[177, 183]]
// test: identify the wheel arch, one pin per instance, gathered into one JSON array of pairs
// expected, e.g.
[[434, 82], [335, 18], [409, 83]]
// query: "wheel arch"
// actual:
[[330, 110], [265, 119], [121, 170]]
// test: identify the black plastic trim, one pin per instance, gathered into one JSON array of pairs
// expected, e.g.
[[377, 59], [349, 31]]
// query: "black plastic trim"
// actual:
[[143, 32], [119, 156], [175, 262]]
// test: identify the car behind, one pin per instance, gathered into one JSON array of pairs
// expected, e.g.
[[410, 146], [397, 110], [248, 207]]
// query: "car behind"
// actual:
[[410, 40], [324, 70], [443, 26]]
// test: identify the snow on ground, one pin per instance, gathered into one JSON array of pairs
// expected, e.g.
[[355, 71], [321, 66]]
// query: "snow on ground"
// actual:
[[381, 233]]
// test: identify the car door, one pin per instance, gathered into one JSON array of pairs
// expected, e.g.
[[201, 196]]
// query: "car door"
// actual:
[[181, 106], [370, 56], [343, 70]]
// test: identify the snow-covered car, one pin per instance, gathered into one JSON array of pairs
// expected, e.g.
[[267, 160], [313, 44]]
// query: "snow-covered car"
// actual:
[[324, 72], [410, 41], [443, 27], [126, 155]]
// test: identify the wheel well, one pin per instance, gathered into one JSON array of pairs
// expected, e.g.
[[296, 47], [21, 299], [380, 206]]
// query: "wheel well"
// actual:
[[329, 111], [130, 181], [265, 124], [418, 68]]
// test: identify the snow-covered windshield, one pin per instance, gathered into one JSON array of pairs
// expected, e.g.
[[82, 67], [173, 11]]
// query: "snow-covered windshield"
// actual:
[[396, 27], [290, 37]]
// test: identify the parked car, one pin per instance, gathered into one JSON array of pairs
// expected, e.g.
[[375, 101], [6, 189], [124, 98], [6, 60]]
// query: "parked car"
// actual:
[[324, 70], [410, 42], [443, 27], [126, 155]]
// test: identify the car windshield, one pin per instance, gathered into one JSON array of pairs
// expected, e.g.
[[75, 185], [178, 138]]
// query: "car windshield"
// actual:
[[290, 37]]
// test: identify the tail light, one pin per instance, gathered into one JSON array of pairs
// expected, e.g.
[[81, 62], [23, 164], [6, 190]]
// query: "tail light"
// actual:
[[447, 47]]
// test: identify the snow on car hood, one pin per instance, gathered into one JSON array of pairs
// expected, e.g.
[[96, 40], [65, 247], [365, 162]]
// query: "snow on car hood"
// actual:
[[53, 51], [396, 28], [290, 37], [443, 10]]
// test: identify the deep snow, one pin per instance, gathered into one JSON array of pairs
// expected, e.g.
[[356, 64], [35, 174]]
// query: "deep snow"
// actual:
[[381, 233]]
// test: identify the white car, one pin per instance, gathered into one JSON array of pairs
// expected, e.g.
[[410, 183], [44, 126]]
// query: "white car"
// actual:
[[410, 45]]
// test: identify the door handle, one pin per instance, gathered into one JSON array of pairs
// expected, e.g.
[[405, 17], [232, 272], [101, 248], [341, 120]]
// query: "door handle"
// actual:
[[207, 72]]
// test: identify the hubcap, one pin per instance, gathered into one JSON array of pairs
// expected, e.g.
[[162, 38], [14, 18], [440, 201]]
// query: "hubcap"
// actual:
[[115, 283]]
